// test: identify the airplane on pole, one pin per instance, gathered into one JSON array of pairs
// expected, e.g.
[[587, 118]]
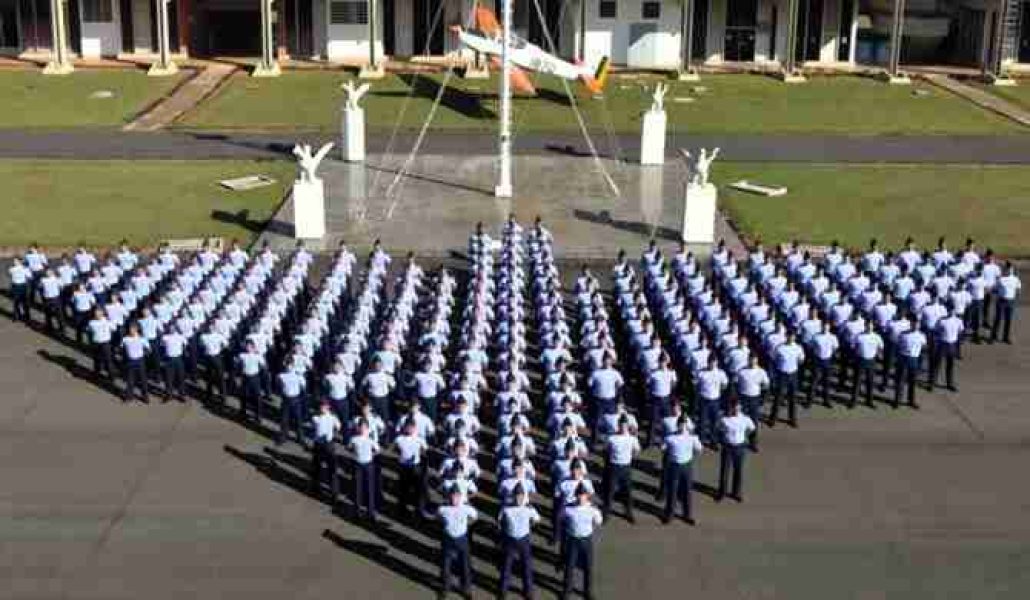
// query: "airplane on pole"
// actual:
[[487, 37]]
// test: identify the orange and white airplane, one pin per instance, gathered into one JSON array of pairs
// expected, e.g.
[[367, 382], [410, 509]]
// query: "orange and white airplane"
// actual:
[[486, 38]]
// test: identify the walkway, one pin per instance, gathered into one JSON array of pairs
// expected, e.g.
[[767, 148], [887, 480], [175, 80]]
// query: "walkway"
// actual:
[[185, 97], [83, 144], [980, 97]]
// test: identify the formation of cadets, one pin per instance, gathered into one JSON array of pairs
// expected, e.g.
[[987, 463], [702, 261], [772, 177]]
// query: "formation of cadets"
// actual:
[[429, 367]]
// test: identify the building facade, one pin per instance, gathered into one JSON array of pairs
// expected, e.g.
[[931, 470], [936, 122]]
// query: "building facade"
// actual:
[[648, 34]]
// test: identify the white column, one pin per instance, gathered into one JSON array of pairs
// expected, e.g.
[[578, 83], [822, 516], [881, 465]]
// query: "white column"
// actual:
[[894, 74], [374, 68], [268, 66], [60, 63], [854, 32], [164, 64]]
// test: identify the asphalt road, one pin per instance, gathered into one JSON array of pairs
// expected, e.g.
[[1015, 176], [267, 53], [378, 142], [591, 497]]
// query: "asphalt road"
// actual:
[[108, 501], [106, 144]]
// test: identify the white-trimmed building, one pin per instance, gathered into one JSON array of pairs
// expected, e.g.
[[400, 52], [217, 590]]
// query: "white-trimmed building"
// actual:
[[646, 34]]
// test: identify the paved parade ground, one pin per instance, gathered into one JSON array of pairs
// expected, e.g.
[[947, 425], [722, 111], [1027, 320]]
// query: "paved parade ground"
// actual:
[[105, 500]]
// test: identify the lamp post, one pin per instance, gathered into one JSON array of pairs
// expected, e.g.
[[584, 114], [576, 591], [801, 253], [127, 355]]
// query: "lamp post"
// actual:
[[164, 64]]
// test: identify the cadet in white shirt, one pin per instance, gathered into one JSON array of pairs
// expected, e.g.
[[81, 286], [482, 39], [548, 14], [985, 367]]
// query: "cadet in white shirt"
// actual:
[[660, 384], [323, 453], [868, 347], [291, 390], [173, 346], [456, 517], [1007, 291], [366, 475], [50, 292], [751, 383], [252, 369], [735, 428], [622, 447], [948, 336], [516, 521], [824, 347], [788, 359], [101, 332], [910, 351], [679, 450], [134, 349], [578, 523], [411, 480], [20, 276]]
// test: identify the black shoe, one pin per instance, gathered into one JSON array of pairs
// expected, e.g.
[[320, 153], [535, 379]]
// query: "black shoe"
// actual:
[[794, 423], [690, 521], [666, 519], [952, 388], [753, 448], [631, 519]]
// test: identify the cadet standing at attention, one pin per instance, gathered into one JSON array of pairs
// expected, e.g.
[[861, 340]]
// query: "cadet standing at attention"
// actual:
[[579, 522], [327, 429], [680, 448], [735, 428], [456, 517], [517, 522]]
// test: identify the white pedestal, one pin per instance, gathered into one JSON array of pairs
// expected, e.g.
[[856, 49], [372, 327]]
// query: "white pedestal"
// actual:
[[372, 72], [652, 138], [699, 214], [352, 135], [272, 70], [308, 209]]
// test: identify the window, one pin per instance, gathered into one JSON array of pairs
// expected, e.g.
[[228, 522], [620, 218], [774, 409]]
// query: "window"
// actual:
[[651, 10], [97, 11], [606, 9], [348, 12]]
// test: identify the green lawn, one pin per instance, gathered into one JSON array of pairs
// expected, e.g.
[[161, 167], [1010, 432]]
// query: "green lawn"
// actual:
[[852, 203], [734, 104], [61, 203], [31, 99]]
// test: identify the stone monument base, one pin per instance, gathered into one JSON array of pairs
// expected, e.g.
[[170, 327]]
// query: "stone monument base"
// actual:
[[1002, 81], [899, 79], [270, 71], [56, 68], [352, 135], [690, 74], [652, 138], [699, 204], [795, 77], [308, 209], [156, 70]]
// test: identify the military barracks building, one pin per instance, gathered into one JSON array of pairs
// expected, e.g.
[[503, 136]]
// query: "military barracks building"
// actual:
[[651, 34]]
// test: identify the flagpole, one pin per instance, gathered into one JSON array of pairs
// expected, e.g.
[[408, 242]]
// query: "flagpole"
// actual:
[[504, 188]]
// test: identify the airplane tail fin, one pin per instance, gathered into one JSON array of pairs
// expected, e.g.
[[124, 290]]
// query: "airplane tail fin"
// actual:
[[597, 82]]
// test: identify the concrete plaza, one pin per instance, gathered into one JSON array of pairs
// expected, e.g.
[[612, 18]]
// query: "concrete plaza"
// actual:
[[430, 203], [107, 501]]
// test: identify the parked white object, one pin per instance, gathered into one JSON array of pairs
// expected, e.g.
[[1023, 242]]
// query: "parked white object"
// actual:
[[756, 188]]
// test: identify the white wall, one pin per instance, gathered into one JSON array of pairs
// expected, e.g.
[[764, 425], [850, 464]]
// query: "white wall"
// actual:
[[611, 37], [102, 39], [349, 43]]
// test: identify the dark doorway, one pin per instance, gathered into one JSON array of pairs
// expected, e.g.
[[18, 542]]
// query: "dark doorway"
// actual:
[[426, 41], [74, 27], [847, 10], [552, 10], [810, 30], [699, 50], [389, 23], [741, 21], [234, 32], [1024, 35], [128, 43]]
